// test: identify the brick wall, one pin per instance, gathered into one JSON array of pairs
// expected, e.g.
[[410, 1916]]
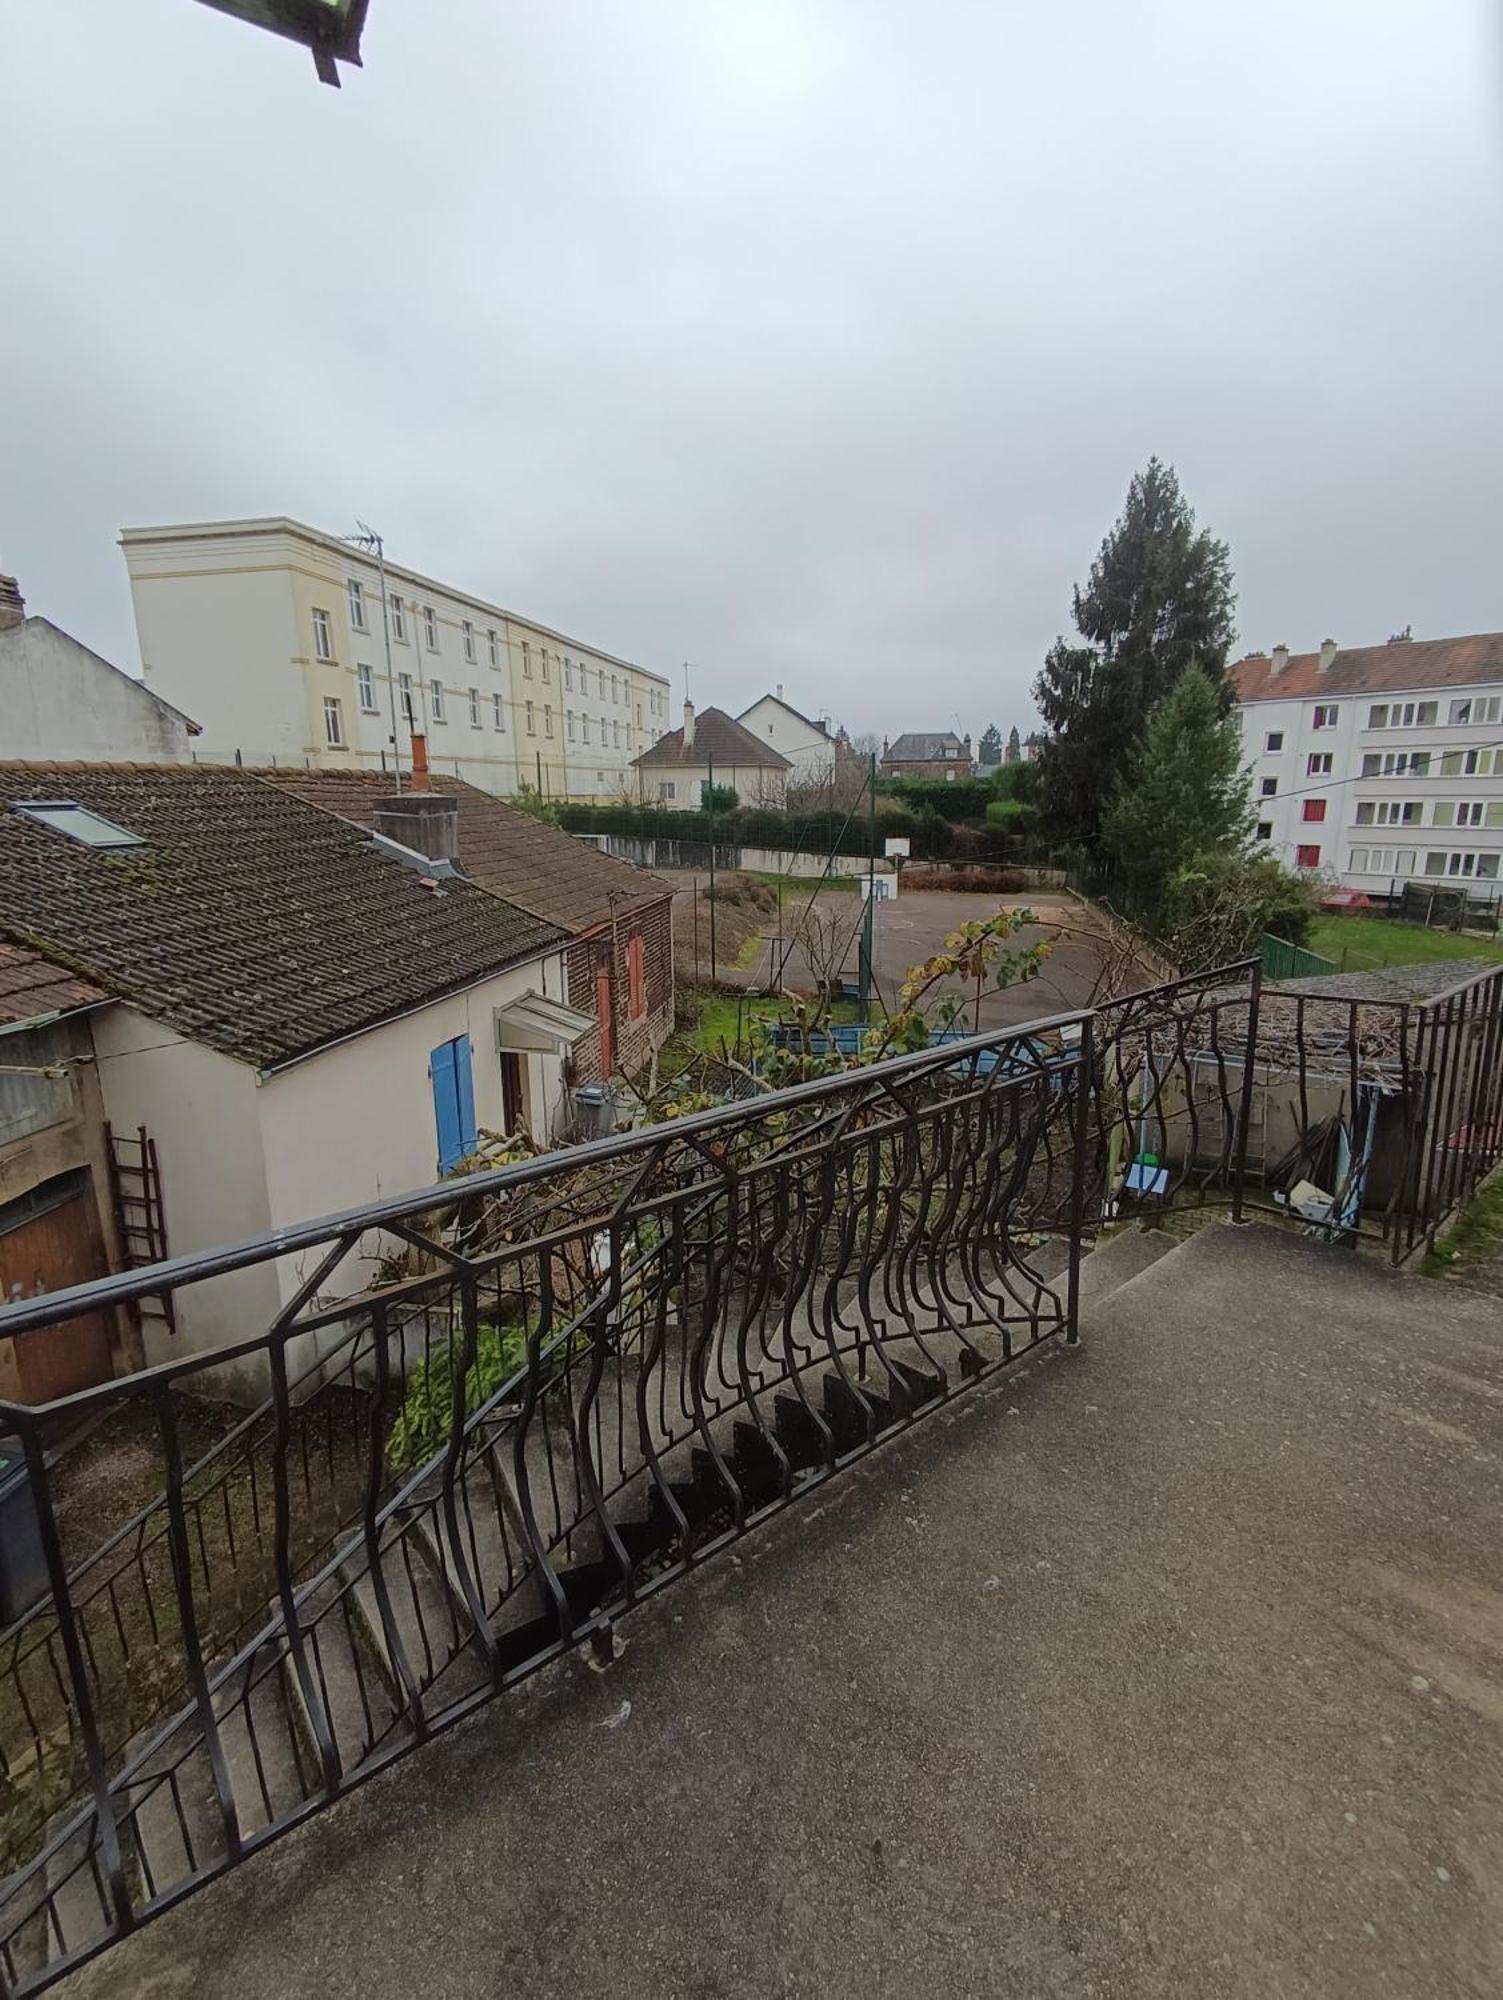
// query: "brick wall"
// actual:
[[592, 955]]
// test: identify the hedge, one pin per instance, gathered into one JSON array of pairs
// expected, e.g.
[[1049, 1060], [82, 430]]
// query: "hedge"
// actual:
[[933, 838]]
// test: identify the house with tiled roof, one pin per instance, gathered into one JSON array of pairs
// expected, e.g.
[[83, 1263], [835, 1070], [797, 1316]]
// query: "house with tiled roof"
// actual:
[[619, 918], [807, 742], [927, 754], [1379, 766], [710, 747], [289, 1011]]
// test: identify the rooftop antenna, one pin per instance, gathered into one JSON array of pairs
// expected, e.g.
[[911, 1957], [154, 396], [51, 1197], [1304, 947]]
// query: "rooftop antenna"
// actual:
[[367, 538]]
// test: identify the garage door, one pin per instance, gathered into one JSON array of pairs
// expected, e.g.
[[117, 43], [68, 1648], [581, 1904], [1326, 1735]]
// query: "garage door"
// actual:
[[49, 1239]]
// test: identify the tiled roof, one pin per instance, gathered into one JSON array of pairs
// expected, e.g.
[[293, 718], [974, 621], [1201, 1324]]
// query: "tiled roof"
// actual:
[[917, 748], [246, 919], [1392, 669], [32, 986], [718, 739], [538, 867]]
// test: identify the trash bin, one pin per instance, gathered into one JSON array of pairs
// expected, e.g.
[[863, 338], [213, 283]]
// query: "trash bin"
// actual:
[[23, 1567], [595, 1108]]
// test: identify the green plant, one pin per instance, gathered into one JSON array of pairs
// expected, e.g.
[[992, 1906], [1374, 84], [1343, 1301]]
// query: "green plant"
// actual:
[[530, 800], [717, 798], [423, 1423]]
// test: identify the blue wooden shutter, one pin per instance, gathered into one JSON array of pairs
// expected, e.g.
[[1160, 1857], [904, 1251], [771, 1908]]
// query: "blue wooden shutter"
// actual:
[[464, 1091], [441, 1068]]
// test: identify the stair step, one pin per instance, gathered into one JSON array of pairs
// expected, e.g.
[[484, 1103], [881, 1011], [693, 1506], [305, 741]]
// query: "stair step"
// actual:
[[922, 1385], [854, 1417], [1116, 1259], [759, 1470], [800, 1433]]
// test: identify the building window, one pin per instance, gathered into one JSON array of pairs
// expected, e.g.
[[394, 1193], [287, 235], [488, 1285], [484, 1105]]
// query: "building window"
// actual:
[[1315, 809], [1462, 867], [365, 681], [1318, 764], [1307, 857], [1265, 829], [584, 723], [495, 647], [398, 621], [543, 662], [526, 661], [323, 638], [568, 675], [1390, 812], [667, 789], [436, 700], [616, 734], [1465, 812], [474, 708], [356, 590], [333, 722], [1273, 741], [1402, 714], [468, 632], [499, 705], [547, 718], [636, 978], [1396, 764], [532, 728], [430, 628], [1268, 788], [404, 688], [1477, 708], [1326, 713], [569, 726], [1381, 861], [1469, 763]]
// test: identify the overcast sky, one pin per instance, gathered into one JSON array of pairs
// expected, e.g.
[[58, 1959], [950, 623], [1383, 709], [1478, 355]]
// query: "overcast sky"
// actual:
[[807, 342]]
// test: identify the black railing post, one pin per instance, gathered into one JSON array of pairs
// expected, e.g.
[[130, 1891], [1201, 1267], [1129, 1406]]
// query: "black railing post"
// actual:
[[1085, 1076], [1244, 1106], [78, 1674]]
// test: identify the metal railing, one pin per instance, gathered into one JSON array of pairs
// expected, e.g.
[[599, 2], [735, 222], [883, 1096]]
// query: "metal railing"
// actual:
[[499, 1413]]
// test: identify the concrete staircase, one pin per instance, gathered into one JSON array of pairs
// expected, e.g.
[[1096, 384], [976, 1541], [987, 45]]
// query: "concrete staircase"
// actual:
[[387, 1650]]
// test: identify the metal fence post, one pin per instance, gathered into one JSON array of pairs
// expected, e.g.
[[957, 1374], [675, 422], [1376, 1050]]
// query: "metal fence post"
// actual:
[[1085, 1077], [1244, 1107]]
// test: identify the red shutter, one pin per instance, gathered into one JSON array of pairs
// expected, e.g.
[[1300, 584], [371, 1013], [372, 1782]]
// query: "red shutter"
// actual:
[[636, 977], [607, 1026], [1315, 809], [1307, 857]]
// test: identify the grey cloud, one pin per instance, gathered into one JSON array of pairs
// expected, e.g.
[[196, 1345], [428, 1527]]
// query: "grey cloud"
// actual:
[[813, 343]]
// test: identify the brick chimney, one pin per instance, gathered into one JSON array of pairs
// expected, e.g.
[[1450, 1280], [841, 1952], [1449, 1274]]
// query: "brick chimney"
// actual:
[[422, 819], [688, 725], [1280, 661], [12, 603], [1327, 654]]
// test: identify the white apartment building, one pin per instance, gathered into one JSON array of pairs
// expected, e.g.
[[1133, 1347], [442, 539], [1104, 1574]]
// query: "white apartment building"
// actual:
[[1378, 765], [272, 635]]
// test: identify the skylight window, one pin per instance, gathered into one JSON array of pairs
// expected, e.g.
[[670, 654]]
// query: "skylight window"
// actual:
[[79, 823]]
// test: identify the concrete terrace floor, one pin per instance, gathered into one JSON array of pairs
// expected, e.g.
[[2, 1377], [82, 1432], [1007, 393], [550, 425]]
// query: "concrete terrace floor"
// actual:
[[1173, 1665]]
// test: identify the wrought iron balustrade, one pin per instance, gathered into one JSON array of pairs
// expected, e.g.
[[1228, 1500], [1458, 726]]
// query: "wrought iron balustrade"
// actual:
[[500, 1412]]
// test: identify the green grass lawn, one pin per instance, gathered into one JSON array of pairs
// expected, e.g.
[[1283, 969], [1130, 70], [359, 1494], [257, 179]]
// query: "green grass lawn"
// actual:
[[799, 888], [723, 1017], [1475, 1238], [1366, 942]]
